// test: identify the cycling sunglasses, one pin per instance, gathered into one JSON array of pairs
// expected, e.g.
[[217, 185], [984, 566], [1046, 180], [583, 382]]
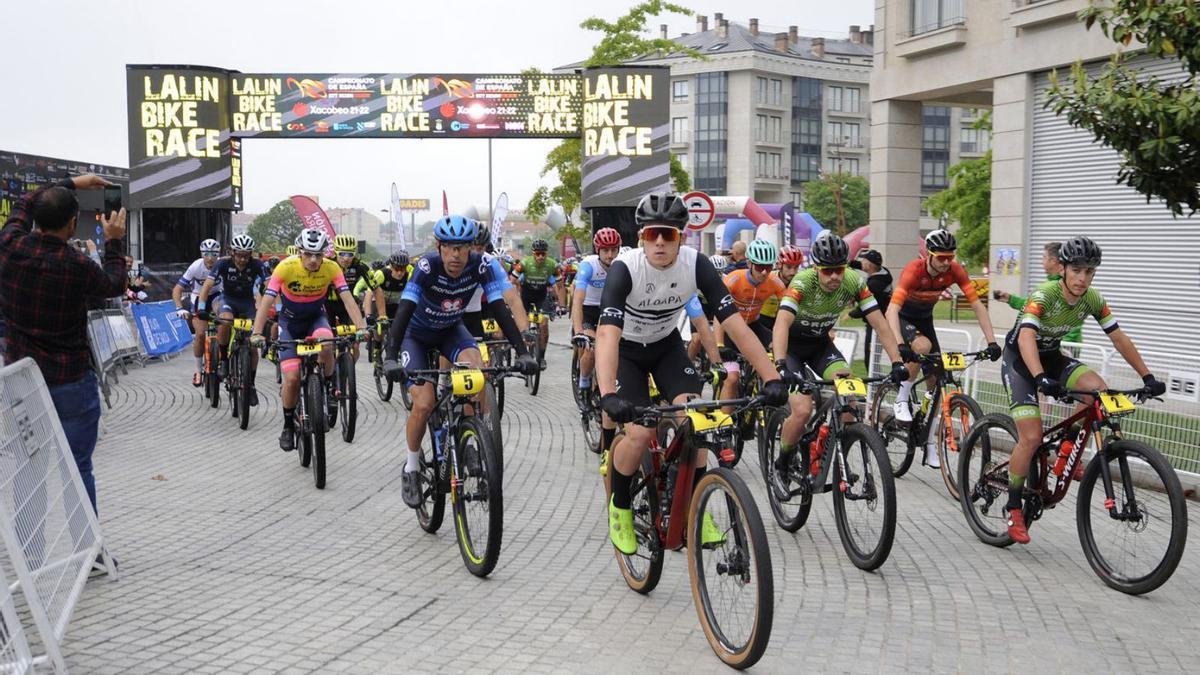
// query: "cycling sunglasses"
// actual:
[[831, 269], [345, 254], [944, 257], [653, 234], [763, 268]]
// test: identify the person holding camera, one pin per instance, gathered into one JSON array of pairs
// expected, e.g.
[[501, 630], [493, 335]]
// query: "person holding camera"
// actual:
[[879, 282], [45, 284]]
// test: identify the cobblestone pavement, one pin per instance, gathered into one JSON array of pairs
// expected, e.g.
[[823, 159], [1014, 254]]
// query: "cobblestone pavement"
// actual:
[[231, 561]]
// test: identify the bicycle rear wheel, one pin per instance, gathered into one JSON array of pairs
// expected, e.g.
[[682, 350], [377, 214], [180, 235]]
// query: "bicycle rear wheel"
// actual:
[[433, 496], [347, 396], [383, 385], [864, 498], [732, 581], [533, 382], [491, 415], [792, 512], [242, 359], [643, 569], [1138, 549], [316, 413], [477, 499], [405, 396], [983, 477], [964, 412], [893, 432]]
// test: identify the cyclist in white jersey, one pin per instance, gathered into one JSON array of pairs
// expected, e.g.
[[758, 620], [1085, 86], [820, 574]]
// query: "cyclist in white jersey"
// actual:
[[645, 292], [193, 280]]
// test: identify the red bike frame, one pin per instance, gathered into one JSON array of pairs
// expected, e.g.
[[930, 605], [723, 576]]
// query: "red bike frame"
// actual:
[[672, 538]]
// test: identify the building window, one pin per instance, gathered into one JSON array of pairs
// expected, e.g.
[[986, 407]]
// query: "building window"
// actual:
[[776, 92], [933, 174], [775, 165], [852, 166], [798, 200], [776, 130], [835, 133], [760, 91], [806, 130], [683, 160], [929, 15], [835, 98], [711, 133], [852, 140], [935, 146], [679, 91], [969, 140], [760, 164], [760, 127], [852, 99], [679, 130], [842, 59]]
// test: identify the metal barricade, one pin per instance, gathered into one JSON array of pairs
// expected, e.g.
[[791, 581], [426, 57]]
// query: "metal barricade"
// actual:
[[15, 655], [987, 384], [1172, 426]]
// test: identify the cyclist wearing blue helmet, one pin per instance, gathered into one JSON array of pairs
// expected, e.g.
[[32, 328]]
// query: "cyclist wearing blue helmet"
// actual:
[[430, 316]]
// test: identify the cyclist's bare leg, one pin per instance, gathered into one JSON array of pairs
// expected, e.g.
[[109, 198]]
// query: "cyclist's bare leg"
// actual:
[[290, 393], [587, 356], [800, 408], [223, 330], [423, 400]]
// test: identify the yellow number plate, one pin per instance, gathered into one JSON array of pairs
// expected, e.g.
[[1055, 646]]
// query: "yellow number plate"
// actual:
[[490, 326], [1116, 403], [706, 421], [243, 324], [954, 361], [466, 382], [483, 351], [851, 386], [304, 350], [344, 329]]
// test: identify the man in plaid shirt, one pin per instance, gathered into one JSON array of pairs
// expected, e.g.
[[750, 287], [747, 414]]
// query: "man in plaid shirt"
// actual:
[[45, 284]]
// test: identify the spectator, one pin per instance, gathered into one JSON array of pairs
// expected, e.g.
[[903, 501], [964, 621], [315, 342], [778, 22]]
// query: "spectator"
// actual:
[[1054, 270], [737, 256], [136, 290], [44, 285], [879, 282]]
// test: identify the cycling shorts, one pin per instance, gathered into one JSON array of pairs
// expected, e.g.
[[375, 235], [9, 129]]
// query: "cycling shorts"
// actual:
[[591, 317], [292, 327], [533, 298], [822, 356], [911, 328], [1022, 387], [449, 342], [240, 308], [667, 360]]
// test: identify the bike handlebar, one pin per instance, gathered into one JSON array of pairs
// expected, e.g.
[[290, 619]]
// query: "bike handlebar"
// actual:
[[1141, 394]]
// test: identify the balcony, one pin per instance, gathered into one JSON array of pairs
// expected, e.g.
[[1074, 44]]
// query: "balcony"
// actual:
[[946, 34], [1029, 13]]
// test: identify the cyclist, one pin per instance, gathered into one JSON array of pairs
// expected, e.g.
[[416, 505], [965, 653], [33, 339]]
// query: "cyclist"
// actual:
[[193, 280], [239, 275], [476, 311], [430, 317], [345, 247], [301, 283], [910, 316], [812, 306], [391, 279], [790, 260], [585, 306], [536, 274], [721, 265], [644, 293], [1033, 360], [749, 289]]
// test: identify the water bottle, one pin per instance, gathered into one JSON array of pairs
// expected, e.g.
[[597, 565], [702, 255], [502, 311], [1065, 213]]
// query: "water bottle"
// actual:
[[1064, 453], [816, 448], [925, 402]]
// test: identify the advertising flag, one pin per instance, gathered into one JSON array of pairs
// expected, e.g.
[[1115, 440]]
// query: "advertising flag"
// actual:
[[312, 215], [498, 215], [445, 204]]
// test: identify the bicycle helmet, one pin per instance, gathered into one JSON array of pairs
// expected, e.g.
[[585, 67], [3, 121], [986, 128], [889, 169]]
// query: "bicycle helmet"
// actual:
[[790, 255], [719, 263], [398, 259], [606, 237], [1079, 251], [501, 253], [761, 252], [345, 243], [242, 242], [210, 246], [540, 246], [661, 207], [272, 263], [455, 230], [829, 250], [312, 240], [483, 235], [940, 241], [292, 250]]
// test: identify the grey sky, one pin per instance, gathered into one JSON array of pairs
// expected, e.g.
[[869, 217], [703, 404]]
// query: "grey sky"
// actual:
[[66, 67]]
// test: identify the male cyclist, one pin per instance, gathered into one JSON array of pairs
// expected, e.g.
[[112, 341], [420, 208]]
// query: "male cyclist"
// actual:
[[301, 282], [390, 279], [585, 305], [345, 246], [645, 292], [790, 260], [536, 274], [239, 275], [430, 317], [1034, 362], [749, 289], [193, 280], [812, 306], [910, 316], [476, 311]]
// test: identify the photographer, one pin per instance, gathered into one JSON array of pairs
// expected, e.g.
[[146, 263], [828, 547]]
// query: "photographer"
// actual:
[[879, 282], [45, 284]]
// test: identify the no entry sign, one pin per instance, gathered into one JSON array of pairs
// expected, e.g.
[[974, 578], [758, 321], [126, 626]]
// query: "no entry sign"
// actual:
[[700, 210]]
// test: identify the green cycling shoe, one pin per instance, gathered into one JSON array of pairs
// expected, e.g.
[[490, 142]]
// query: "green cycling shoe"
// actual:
[[620, 529], [711, 536]]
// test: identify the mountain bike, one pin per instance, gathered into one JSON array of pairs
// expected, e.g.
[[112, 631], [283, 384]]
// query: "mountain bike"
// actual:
[[731, 580], [237, 382], [587, 401], [499, 354], [383, 385], [311, 410], [944, 408], [533, 340], [212, 366], [1130, 511], [346, 386], [845, 457], [462, 461]]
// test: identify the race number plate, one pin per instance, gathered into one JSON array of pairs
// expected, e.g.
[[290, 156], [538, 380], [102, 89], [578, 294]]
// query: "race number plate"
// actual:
[[490, 326], [1115, 404], [483, 351], [345, 329], [706, 421], [304, 350], [243, 324], [954, 361], [466, 382], [851, 386]]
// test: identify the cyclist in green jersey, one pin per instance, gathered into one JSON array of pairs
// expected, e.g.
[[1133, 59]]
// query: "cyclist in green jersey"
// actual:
[[1053, 269], [391, 280], [536, 274], [1033, 361]]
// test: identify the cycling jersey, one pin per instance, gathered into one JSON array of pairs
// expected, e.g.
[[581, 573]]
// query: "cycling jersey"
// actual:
[[476, 303], [917, 292], [442, 299], [749, 296], [818, 310], [303, 292], [383, 280], [356, 271], [536, 275], [237, 283], [590, 277], [195, 276], [1048, 312]]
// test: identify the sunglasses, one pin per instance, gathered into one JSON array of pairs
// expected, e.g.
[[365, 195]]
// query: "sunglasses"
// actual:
[[831, 269], [345, 254], [763, 268], [944, 257], [653, 234], [541, 254], [209, 255]]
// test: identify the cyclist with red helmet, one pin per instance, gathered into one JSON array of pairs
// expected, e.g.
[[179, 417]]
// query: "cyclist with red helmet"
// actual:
[[585, 305], [790, 260]]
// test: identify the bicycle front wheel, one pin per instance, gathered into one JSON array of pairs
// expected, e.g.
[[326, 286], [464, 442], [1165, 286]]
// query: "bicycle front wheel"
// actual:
[[242, 359], [348, 396], [643, 569], [983, 477], [316, 413], [478, 502], [405, 396], [1136, 545], [864, 498], [964, 412], [214, 366], [790, 508], [533, 382], [730, 567], [893, 432]]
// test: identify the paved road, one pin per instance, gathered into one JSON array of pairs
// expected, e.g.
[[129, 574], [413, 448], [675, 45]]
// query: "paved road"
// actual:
[[232, 562]]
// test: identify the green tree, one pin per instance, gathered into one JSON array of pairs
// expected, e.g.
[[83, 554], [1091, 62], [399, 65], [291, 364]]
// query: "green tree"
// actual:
[[276, 229], [821, 197], [622, 40], [1154, 126], [968, 201]]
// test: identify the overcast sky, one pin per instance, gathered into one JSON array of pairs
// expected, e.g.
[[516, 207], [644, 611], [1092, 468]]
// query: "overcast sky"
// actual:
[[65, 77]]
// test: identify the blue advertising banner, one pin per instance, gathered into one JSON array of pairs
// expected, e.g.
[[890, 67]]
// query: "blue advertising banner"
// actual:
[[161, 329]]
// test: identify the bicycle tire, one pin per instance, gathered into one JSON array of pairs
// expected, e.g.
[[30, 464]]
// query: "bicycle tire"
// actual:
[[233, 387], [895, 433], [495, 423], [383, 385], [316, 398], [767, 452], [874, 554], [214, 355], [964, 411], [405, 396], [644, 502], [433, 497], [979, 454], [1114, 452], [575, 392], [303, 437], [534, 382], [479, 559], [243, 361], [750, 537], [348, 401]]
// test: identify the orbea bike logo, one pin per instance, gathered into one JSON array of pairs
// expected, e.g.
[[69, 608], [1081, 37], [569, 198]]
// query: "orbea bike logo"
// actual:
[[309, 87]]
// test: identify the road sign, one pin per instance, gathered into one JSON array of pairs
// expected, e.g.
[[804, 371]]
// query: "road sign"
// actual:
[[700, 210]]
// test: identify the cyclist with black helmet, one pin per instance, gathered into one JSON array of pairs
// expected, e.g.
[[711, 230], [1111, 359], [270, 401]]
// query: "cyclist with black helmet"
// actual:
[[239, 275], [644, 295], [1033, 361], [477, 311], [536, 274], [345, 249], [192, 281], [430, 317], [910, 315], [390, 278], [811, 308]]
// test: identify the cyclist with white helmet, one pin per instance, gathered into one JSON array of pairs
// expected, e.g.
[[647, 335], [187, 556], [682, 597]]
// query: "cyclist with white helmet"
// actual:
[[239, 275], [301, 282], [193, 280]]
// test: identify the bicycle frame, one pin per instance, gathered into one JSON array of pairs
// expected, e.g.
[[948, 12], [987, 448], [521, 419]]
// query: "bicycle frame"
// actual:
[[946, 385]]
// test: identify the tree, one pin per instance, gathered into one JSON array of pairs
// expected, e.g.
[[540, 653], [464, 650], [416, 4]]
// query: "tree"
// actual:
[[821, 197], [1154, 126], [623, 39], [276, 229], [968, 201]]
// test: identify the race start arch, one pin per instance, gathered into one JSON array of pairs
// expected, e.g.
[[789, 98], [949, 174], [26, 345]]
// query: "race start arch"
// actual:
[[187, 123]]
